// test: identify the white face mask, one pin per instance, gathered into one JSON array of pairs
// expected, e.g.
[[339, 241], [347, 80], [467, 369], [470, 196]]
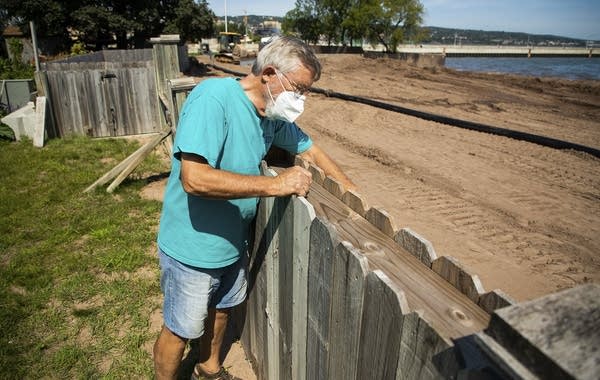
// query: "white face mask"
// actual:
[[287, 107]]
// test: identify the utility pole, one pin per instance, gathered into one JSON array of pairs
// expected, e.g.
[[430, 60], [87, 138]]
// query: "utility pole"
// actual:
[[225, 16]]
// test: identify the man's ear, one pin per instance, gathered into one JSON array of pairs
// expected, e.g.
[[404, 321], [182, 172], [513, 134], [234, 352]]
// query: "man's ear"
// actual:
[[267, 73]]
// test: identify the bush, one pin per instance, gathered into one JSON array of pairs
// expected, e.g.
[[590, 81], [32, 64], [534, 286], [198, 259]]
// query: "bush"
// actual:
[[11, 69]]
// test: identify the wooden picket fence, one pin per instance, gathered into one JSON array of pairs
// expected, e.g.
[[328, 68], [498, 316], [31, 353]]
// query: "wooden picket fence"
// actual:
[[336, 292]]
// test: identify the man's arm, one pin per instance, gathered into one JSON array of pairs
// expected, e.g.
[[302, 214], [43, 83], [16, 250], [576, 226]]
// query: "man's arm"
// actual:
[[199, 178], [318, 157]]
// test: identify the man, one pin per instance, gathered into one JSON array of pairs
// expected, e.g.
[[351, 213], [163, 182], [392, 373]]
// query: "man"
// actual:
[[226, 127]]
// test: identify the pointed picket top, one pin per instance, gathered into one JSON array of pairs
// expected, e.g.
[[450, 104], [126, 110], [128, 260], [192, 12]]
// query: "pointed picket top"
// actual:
[[447, 267], [417, 245], [318, 175], [496, 299], [379, 218], [334, 187], [450, 269], [356, 202]]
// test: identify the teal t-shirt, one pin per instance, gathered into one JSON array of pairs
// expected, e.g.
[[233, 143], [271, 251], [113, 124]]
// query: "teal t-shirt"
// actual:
[[220, 123]]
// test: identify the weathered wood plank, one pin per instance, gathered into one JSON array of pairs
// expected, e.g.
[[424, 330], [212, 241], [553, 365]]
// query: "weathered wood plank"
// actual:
[[284, 283], [304, 214], [419, 344], [414, 243], [381, 329], [356, 202], [452, 271], [135, 161], [103, 98], [507, 366], [318, 175], [256, 321], [39, 130], [496, 299], [273, 297], [334, 187], [382, 220], [349, 277], [322, 242], [556, 336], [448, 311]]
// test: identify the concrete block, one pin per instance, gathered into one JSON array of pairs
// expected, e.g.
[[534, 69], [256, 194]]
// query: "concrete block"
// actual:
[[22, 121]]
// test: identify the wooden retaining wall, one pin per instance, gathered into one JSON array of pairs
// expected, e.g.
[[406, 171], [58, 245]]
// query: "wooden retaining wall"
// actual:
[[336, 291]]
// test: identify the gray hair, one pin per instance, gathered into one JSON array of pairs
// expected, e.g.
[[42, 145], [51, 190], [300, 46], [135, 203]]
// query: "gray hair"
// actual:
[[286, 54]]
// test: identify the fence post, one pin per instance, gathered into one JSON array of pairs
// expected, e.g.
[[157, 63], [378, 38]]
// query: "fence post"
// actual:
[[165, 54]]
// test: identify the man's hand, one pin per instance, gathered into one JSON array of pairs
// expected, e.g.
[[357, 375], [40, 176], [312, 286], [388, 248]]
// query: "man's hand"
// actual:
[[295, 181]]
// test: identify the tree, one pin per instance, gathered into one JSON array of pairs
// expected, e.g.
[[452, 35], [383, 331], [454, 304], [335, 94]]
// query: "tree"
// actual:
[[100, 23], [332, 14], [303, 21], [51, 17], [391, 22], [192, 21]]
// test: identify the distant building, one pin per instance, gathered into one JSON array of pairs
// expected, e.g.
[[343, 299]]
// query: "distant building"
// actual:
[[13, 32]]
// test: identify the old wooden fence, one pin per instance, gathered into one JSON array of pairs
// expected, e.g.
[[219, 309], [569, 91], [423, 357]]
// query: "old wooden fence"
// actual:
[[336, 292], [107, 93]]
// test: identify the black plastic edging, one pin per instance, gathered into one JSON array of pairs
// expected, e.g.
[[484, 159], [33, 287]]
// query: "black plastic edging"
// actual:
[[523, 136]]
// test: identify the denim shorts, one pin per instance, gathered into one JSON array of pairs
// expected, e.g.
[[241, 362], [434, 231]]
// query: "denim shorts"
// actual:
[[189, 292]]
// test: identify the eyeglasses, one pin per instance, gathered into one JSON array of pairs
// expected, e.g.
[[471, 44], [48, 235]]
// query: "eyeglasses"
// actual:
[[297, 88]]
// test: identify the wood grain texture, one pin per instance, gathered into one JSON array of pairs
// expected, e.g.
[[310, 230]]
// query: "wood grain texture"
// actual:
[[304, 214], [381, 329], [350, 270], [102, 98], [322, 243], [356, 202], [334, 187], [555, 336], [414, 243], [450, 313], [495, 299], [381, 220], [419, 344], [452, 271], [318, 175]]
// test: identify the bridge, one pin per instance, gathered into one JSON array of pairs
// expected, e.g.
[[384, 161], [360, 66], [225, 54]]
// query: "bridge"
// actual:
[[500, 51]]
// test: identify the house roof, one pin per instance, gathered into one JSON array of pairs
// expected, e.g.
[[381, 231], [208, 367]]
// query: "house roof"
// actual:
[[12, 31]]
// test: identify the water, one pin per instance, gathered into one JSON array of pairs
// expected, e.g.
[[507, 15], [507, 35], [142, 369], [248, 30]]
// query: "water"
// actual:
[[560, 67]]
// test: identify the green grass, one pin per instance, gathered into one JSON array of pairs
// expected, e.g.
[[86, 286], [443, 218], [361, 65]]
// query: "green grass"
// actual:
[[78, 272]]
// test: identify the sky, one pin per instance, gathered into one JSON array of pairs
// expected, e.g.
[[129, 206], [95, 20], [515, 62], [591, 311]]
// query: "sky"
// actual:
[[568, 18]]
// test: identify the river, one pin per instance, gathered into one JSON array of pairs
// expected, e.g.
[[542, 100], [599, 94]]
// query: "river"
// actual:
[[560, 67]]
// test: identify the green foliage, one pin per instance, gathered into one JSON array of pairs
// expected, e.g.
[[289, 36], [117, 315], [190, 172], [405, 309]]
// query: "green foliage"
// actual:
[[79, 278], [192, 21], [78, 49], [304, 21], [16, 48], [6, 133], [387, 22], [15, 69], [98, 24]]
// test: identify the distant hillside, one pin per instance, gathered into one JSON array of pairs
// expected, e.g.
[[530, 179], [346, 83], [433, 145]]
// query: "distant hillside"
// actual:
[[449, 36]]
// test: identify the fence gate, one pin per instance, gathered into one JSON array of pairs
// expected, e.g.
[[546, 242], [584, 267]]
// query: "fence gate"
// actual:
[[104, 94]]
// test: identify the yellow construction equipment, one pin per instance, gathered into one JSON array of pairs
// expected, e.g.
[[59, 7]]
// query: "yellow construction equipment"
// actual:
[[230, 48]]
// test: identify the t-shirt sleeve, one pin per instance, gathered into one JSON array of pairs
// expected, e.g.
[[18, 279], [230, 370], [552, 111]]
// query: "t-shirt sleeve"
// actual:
[[290, 137], [201, 129]]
